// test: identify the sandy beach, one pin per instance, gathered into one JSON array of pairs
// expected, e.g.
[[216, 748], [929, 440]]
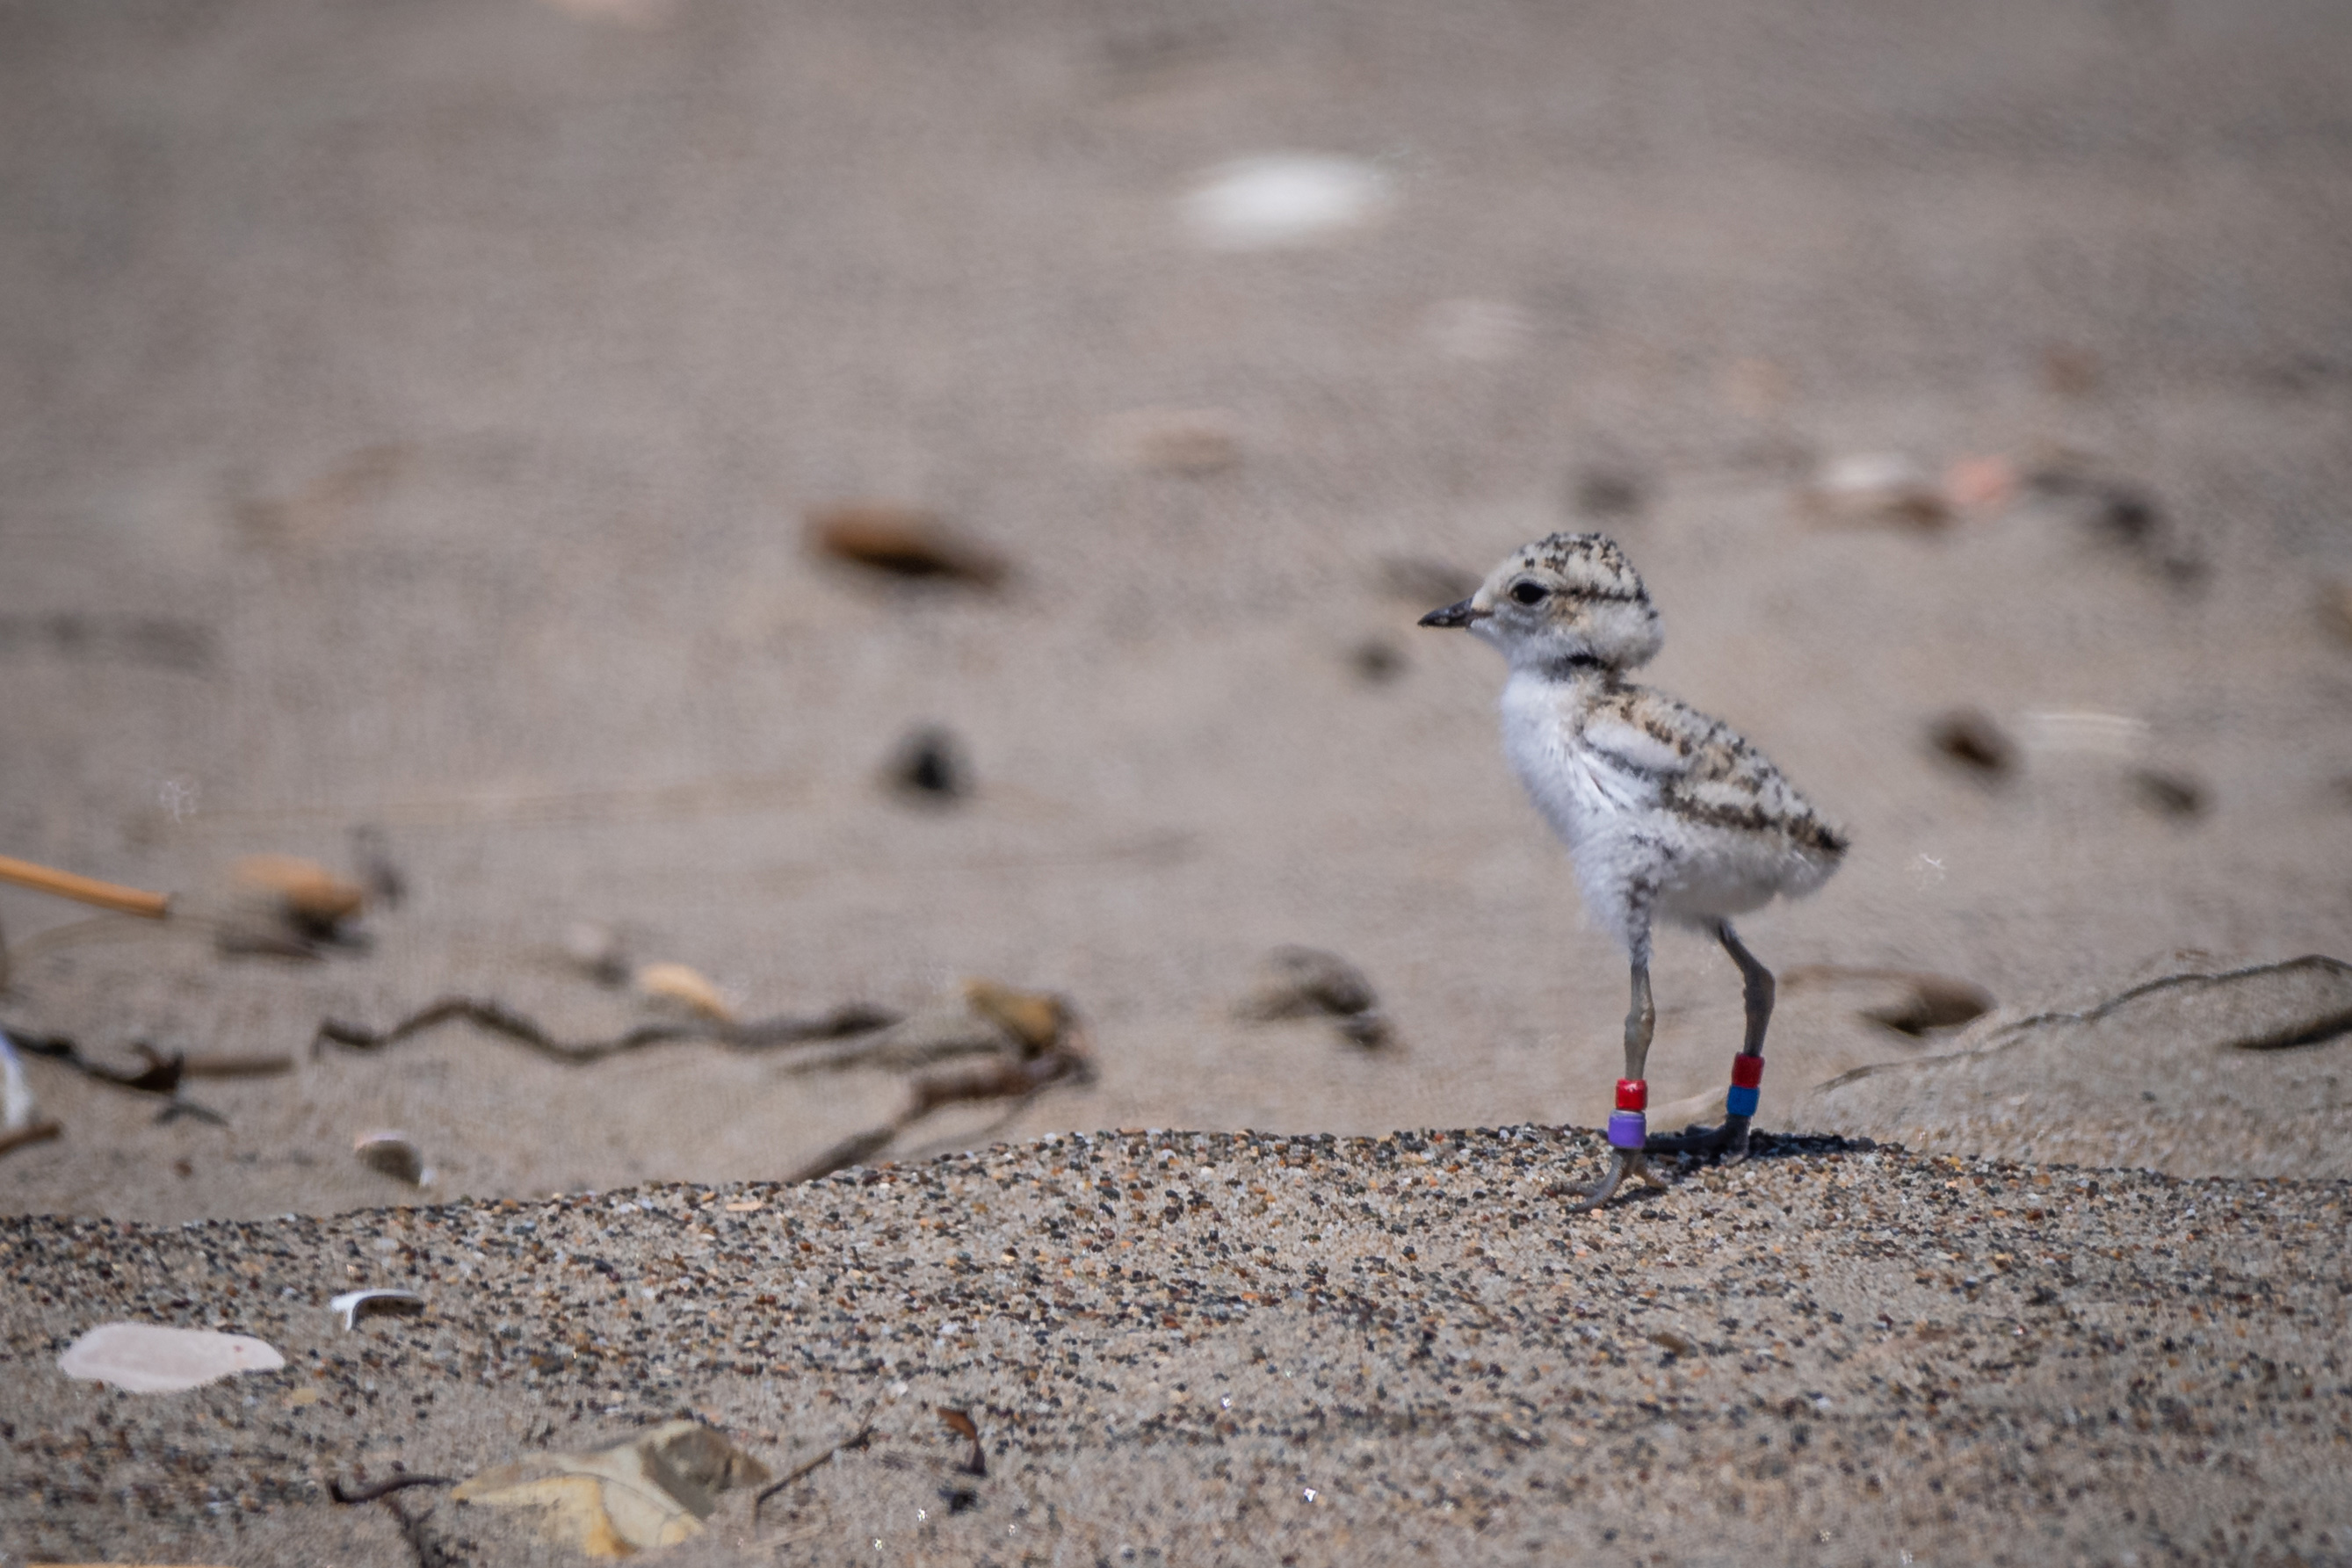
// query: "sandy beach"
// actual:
[[448, 443]]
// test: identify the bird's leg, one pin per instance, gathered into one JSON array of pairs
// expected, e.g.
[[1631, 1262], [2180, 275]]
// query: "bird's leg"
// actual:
[[1627, 1151], [1728, 1143]]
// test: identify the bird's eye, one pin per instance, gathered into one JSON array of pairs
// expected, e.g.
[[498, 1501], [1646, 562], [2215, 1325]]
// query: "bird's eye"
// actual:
[[1529, 592]]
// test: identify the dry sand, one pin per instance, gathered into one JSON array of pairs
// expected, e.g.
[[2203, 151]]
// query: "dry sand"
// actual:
[[407, 419]]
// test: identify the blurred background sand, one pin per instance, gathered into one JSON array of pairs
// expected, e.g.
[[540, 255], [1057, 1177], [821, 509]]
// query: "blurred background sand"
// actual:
[[409, 416]]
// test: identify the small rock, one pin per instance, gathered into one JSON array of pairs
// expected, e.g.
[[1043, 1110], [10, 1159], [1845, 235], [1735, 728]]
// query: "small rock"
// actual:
[[2171, 794], [1377, 661], [903, 541], [1971, 739], [928, 765]]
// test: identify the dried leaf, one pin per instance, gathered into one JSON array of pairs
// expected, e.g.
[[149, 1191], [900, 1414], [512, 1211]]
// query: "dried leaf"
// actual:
[[1035, 1018], [960, 1423], [306, 890], [152, 1358], [655, 1489], [905, 541]]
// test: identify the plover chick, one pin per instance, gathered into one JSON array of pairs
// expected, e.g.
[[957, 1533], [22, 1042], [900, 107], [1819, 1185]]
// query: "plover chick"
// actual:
[[1668, 814]]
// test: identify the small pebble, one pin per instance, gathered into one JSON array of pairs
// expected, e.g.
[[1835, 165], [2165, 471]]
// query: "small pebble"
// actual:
[[2169, 793], [1971, 739], [928, 765], [1377, 661]]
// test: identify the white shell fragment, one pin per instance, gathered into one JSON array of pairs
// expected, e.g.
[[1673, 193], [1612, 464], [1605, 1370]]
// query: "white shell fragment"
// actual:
[[392, 1154], [152, 1358], [1282, 199], [17, 1109], [353, 1305]]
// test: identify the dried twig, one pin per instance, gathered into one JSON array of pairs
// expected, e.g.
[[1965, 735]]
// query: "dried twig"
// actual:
[[160, 1075], [1021, 1081], [423, 1541], [499, 1018], [85, 889], [858, 1439], [356, 1494]]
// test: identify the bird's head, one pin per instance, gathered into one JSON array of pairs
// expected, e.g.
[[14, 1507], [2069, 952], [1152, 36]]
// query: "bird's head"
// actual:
[[1564, 601]]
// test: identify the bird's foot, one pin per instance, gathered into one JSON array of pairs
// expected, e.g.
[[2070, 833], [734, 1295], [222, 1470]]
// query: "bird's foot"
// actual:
[[1622, 1162], [1726, 1144]]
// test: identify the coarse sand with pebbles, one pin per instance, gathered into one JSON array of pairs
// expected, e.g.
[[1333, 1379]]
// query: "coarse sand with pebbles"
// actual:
[[1183, 1348]]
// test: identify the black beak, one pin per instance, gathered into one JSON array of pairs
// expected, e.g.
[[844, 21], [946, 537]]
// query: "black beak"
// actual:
[[1454, 615]]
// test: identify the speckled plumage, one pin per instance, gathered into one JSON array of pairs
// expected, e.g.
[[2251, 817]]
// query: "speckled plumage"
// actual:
[[1667, 814]]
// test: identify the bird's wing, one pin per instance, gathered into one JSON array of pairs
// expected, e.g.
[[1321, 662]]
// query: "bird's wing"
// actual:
[[1635, 749]]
